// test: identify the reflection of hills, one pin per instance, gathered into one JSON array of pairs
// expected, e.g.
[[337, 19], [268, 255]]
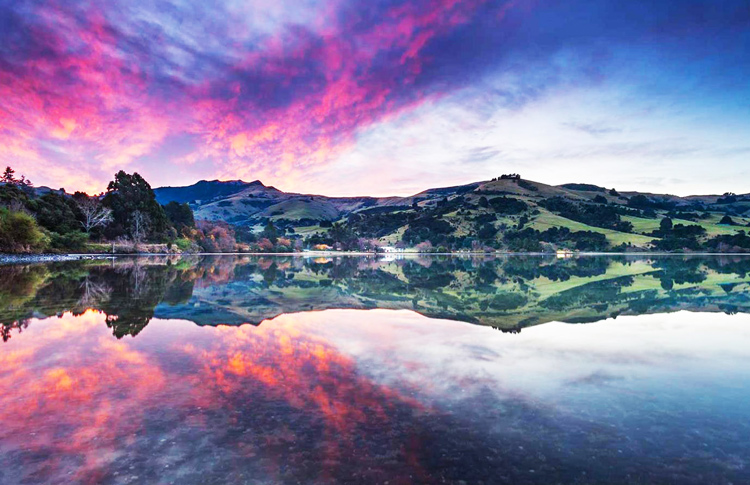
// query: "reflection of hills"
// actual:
[[507, 293]]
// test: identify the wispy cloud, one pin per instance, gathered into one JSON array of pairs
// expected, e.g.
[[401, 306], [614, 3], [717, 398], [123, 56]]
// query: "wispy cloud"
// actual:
[[284, 89]]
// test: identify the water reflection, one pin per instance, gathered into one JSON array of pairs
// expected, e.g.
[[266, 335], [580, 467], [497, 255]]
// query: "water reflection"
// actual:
[[508, 294], [384, 384], [375, 396]]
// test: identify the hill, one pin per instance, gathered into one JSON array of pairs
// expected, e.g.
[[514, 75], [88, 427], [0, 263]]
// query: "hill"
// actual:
[[503, 213]]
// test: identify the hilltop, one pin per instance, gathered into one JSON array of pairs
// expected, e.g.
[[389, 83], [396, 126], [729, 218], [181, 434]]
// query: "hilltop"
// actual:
[[507, 212]]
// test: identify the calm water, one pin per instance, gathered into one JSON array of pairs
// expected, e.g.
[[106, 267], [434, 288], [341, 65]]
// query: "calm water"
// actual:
[[363, 370]]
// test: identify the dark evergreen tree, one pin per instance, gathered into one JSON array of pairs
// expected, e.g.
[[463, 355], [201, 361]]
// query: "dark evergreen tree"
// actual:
[[180, 215], [127, 194]]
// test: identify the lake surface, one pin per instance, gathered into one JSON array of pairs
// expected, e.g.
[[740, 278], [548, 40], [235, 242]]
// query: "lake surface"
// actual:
[[369, 370]]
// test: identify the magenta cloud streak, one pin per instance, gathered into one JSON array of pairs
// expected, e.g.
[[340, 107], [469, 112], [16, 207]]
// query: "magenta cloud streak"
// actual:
[[86, 90]]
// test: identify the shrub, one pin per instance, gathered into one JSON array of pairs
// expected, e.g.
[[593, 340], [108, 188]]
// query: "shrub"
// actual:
[[183, 244], [508, 205], [505, 301], [69, 241], [19, 232]]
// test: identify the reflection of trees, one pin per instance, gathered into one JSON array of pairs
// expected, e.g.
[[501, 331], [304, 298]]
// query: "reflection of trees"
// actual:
[[7, 329], [94, 293], [136, 290], [729, 265], [508, 293], [127, 292], [434, 277], [680, 271], [598, 292], [530, 268]]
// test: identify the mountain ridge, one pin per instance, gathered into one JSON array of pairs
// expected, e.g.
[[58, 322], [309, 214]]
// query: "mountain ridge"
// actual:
[[163, 191], [480, 214]]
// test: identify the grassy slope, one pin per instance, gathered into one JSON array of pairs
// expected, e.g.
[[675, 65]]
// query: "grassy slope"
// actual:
[[296, 209], [546, 220], [712, 227]]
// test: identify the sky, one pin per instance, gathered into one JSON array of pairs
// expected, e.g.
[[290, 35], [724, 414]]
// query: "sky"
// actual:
[[378, 97]]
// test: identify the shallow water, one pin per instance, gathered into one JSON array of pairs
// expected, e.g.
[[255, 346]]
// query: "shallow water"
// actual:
[[359, 370]]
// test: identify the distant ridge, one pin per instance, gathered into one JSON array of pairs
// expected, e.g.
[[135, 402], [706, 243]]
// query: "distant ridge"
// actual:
[[203, 190]]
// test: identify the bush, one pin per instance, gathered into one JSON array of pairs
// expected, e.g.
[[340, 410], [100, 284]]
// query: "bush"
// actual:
[[508, 205], [19, 232], [505, 301], [70, 241], [183, 244]]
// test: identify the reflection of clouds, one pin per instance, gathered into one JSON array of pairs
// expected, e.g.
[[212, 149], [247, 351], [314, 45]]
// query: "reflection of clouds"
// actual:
[[405, 349], [91, 401], [78, 402], [328, 394]]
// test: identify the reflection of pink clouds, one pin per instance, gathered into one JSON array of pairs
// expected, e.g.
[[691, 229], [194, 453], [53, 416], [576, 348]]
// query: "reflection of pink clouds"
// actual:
[[73, 392], [50, 394]]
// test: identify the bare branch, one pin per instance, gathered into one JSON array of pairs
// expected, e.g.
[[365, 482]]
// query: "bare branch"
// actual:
[[94, 214]]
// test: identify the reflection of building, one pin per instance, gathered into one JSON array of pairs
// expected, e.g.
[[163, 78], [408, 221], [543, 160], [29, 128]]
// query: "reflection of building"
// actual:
[[564, 253]]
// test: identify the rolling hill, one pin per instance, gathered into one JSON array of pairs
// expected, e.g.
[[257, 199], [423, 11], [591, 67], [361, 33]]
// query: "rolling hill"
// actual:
[[486, 212]]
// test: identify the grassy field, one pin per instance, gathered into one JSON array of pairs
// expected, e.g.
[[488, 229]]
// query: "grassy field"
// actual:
[[309, 230], [712, 227], [546, 220]]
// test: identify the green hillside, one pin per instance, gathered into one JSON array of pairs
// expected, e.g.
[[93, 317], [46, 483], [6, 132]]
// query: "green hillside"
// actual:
[[507, 214]]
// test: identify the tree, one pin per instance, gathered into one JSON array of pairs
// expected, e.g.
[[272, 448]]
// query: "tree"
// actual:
[[19, 232], [9, 176], [270, 232], [128, 194], [180, 215], [56, 213], [727, 221], [94, 213], [139, 227], [424, 247], [665, 225], [216, 237], [24, 182]]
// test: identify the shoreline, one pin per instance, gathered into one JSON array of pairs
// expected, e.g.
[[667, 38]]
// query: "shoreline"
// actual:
[[55, 258]]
